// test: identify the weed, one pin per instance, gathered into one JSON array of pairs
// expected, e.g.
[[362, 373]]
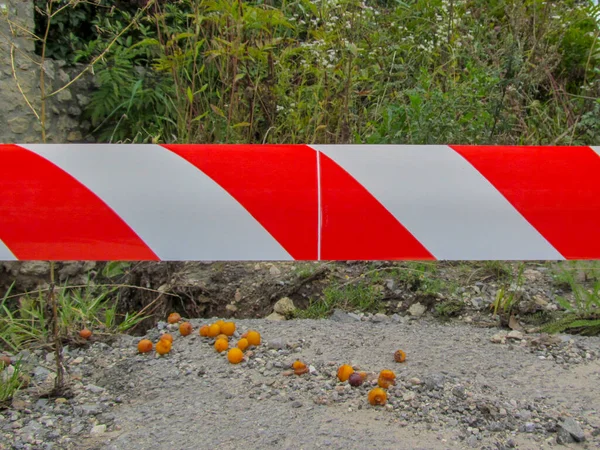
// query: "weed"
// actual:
[[583, 314], [10, 382], [360, 297], [26, 325], [449, 308], [509, 295]]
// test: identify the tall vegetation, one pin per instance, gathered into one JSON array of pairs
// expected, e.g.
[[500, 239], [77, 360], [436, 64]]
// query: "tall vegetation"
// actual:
[[341, 71]]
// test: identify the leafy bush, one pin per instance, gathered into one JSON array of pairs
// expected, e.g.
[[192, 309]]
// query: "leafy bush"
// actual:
[[341, 71]]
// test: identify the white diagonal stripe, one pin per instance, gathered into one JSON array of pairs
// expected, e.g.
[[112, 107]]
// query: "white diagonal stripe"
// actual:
[[177, 210], [5, 253], [443, 201], [597, 150]]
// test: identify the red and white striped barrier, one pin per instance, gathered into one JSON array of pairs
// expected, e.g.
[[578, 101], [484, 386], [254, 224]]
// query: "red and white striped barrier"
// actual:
[[298, 202]]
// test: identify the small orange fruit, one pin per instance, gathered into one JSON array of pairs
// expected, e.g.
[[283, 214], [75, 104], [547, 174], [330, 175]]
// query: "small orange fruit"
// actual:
[[344, 372], [204, 330], [220, 322], [223, 336], [386, 379], [228, 328], [377, 396], [399, 356], [298, 365], [243, 344], [253, 338], [85, 333], [185, 328], [245, 335], [163, 347], [214, 330], [235, 355], [299, 368], [173, 318], [144, 346], [221, 345], [168, 337]]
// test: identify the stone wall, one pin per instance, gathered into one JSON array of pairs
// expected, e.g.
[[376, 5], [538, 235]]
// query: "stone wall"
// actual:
[[64, 111]]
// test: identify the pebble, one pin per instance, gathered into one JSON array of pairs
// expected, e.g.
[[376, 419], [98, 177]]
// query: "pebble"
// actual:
[[570, 426], [98, 429]]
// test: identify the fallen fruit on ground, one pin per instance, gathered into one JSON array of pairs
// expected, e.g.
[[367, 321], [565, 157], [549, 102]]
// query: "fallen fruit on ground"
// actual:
[[144, 346], [377, 397], [245, 335], [220, 322], [386, 379], [221, 345], [400, 356], [228, 328], [4, 361], [214, 330], [163, 347], [85, 333], [174, 318], [223, 336], [253, 338], [167, 336], [299, 367], [235, 355], [344, 372], [355, 379], [185, 328], [243, 344], [204, 330]]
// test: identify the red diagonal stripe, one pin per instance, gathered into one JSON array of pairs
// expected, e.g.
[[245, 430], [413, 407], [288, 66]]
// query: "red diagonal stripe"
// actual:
[[356, 226], [555, 188], [49, 215], [276, 184]]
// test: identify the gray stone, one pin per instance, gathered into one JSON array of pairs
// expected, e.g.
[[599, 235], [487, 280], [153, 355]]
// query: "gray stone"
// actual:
[[83, 100], [64, 95], [341, 316], [35, 268], [40, 373], [275, 316], [74, 136], [93, 388], [514, 334], [284, 306], [435, 381], [477, 302], [417, 310], [98, 429], [564, 437], [573, 428], [19, 125], [74, 111], [496, 427], [276, 344], [91, 409], [379, 317]]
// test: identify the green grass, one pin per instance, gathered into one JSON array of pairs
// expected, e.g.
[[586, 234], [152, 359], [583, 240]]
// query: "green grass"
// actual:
[[582, 315], [509, 295], [360, 297], [10, 383], [563, 273], [25, 324], [449, 308]]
